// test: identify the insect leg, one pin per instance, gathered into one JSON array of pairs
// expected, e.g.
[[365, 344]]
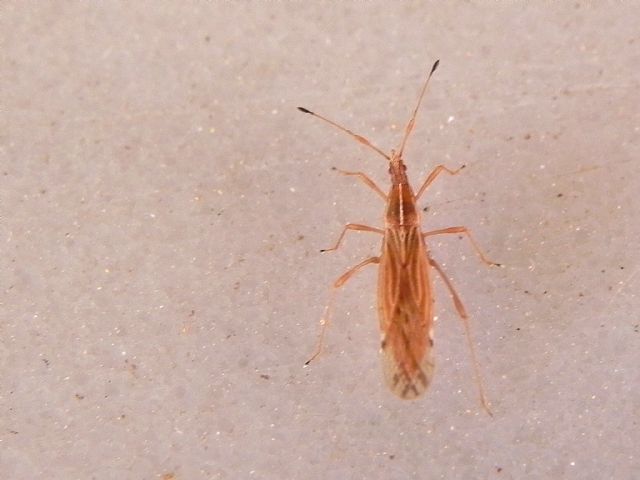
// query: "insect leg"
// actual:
[[366, 180], [467, 232], [433, 175], [352, 226], [328, 310], [465, 321]]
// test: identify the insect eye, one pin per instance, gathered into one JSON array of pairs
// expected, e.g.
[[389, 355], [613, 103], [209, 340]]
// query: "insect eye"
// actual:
[[389, 170], [404, 167]]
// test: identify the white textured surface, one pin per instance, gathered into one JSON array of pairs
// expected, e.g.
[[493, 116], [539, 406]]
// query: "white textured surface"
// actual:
[[163, 204]]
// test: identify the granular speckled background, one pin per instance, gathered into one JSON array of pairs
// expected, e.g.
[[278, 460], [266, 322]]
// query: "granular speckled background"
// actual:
[[163, 205]]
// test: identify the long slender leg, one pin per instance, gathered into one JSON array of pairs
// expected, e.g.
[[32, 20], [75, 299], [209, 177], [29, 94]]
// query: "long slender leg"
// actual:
[[352, 226], [465, 321], [433, 175], [467, 232], [329, 309], [366, 180]]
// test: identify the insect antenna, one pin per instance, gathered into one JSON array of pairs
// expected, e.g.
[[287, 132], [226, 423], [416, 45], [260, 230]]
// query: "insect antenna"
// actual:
[[412, 122], [358, 138]]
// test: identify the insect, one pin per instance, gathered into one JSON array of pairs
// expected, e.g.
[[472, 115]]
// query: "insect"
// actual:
[[405, 290]]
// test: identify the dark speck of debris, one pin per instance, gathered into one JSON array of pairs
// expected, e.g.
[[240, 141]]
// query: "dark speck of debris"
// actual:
[[527, 136], [264, 376], [391, 457], [498, 469], [559, 195], [46, 362], [518, 328], [79, 397], [527, 292], [300, 237]]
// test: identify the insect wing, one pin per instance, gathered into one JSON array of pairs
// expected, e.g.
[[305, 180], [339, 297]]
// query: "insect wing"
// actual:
[[405, 309]]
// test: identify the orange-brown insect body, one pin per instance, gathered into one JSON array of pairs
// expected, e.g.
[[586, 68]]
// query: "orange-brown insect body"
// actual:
[[405, 294], [405, 305]]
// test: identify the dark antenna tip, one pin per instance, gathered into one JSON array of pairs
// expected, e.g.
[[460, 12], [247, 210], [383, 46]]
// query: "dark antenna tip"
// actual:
[[435, 65], [304, 110]]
